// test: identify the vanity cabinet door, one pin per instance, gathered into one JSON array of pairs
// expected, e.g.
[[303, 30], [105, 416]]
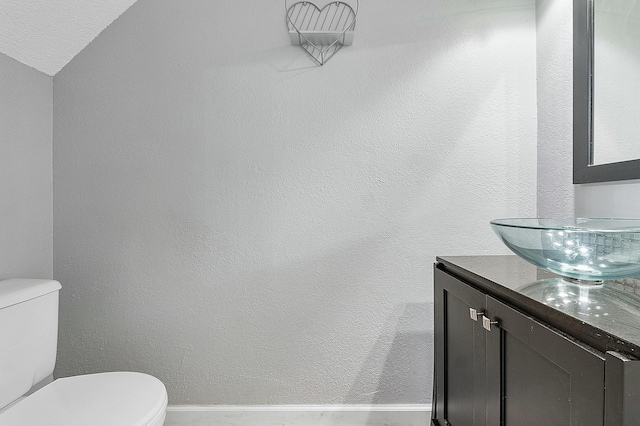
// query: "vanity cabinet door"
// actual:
[[538, 376], [460, 389]]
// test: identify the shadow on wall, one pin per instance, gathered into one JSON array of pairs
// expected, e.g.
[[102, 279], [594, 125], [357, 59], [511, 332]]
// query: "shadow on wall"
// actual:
[[405, 348], [288, 330]]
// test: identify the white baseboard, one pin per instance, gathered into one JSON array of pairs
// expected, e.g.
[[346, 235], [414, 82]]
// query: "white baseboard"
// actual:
[[299, 415]]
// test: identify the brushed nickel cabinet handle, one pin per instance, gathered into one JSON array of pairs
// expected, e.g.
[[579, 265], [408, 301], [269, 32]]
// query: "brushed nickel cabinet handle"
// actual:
[[474, 314], [486, 323]]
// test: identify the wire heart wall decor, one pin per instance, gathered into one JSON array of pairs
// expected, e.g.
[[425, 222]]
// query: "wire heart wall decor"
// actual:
[[321, 32]]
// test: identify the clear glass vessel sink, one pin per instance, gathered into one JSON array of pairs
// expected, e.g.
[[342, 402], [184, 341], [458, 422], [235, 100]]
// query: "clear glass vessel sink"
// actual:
[[584, 249]]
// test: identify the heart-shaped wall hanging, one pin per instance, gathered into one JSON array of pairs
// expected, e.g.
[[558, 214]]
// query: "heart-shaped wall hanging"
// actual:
[[321, 32]]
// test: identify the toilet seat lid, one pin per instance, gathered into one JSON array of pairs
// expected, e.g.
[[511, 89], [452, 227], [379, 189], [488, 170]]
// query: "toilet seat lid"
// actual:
[[105, 399]]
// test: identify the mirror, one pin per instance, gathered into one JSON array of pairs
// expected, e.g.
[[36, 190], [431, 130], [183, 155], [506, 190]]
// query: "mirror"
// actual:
[[606, 112], [616, 65]]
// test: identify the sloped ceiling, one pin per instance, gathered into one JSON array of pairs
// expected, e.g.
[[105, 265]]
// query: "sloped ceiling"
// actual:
[[47, 34]]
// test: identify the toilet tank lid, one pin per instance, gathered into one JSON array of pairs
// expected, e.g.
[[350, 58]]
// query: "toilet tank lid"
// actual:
[[20, 290]]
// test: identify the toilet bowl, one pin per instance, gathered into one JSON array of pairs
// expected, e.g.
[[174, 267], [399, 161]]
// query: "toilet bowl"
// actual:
[[28, 337]]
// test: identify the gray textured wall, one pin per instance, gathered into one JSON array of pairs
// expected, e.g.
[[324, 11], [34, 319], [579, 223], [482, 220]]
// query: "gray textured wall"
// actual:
[[26, 224], [254, 229], [554, 34]]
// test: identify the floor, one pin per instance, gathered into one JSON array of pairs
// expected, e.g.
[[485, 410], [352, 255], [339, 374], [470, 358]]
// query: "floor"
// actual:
[[304, 418]]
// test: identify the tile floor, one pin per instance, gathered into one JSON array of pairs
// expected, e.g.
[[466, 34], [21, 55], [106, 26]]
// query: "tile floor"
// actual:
[[305, 418]]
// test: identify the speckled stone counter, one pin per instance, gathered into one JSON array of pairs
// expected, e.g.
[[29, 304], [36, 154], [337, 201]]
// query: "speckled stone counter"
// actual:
[[606, 317]]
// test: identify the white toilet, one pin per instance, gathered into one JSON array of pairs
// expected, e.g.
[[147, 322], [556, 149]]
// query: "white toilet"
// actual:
[[28, 344]]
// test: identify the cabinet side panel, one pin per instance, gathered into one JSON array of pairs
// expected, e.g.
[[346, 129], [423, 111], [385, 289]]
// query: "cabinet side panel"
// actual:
[[622, 383], [438, 414]]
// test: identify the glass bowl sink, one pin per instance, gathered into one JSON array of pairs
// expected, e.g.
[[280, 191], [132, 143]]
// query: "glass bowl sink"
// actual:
[[584, 249]]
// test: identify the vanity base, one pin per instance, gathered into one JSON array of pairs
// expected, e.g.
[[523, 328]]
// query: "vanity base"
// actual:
[[503, 363]]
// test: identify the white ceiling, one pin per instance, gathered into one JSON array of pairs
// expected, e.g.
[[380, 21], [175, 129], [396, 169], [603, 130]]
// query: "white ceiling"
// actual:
[[47, 34]]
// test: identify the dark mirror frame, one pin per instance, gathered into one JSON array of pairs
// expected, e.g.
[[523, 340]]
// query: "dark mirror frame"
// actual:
[[583, 169]]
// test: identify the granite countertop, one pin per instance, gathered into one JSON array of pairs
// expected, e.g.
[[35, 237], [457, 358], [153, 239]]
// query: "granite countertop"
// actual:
[[606, 317]]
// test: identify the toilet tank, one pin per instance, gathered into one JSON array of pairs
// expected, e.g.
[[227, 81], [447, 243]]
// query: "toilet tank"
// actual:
[[28, 334]]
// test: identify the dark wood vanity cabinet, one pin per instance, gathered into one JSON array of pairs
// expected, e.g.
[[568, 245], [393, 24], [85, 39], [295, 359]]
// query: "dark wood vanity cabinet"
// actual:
[[500, 365], [507, 356]]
